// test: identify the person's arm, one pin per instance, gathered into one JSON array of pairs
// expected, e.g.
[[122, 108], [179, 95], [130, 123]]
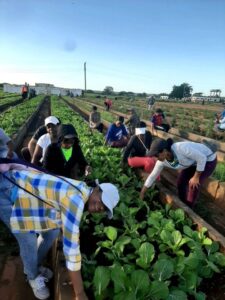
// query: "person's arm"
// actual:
[[10, 149], [37, 155], [152, 177], [31, 146], [108, 135], [78, 286]]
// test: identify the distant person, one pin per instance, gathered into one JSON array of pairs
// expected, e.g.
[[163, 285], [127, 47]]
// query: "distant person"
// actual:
[[136, 151], [24, 91], [151, 102], [6, 146], [133, 121], [117, 135], [95, 119], [159, 121], [108, 104], [65, 157], [220, 121], [45, 140]]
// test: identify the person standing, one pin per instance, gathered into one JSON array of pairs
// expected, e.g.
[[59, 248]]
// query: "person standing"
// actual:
[[37, 205], [151, 102], [195, 160]]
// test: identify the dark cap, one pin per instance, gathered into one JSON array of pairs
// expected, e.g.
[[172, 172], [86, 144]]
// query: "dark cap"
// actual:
[[157, 146], [67, 131]]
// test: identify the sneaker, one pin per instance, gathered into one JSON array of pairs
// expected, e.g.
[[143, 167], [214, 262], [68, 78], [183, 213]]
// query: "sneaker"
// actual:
[[46, 272], [39, 288]]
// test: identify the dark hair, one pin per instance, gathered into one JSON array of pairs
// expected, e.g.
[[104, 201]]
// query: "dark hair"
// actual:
[[120, 119], [169, 142], [94, 107], [142, 124], [158, 110]]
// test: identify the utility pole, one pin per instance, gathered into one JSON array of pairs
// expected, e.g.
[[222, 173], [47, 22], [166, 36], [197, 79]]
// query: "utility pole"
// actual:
[[85, 82]]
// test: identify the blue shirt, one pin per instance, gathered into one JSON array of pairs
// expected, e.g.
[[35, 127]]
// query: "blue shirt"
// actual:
[[115, 133]]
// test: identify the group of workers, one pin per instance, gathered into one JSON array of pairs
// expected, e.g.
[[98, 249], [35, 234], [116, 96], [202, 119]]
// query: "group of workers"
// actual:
[[44, 194]]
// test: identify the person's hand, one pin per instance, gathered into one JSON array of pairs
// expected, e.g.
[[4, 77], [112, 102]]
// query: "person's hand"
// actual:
[[9, 154], [142, 193], [81, 296], [88, 170], [194, 182]]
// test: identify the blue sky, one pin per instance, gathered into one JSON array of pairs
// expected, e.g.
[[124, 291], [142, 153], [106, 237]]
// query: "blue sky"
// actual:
[[131, 45]]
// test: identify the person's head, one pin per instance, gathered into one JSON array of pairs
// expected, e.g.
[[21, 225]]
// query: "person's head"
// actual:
[[94, 108], [67, 135], [103, 197], [132, 111], [161, 149], [51, 124], [141, 129], [159, 111], [119, 121]]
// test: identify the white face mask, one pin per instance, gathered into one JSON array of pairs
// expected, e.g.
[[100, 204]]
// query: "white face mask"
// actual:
[[140, 131]]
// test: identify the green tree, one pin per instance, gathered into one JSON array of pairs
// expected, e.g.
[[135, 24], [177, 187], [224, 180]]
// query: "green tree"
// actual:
[[108, 90], [181, 91]]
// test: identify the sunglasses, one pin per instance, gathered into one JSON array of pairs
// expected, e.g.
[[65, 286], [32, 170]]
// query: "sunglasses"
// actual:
[[50, 125]]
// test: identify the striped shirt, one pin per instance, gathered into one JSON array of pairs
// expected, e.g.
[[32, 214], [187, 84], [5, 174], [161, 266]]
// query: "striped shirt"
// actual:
[[62, 208]]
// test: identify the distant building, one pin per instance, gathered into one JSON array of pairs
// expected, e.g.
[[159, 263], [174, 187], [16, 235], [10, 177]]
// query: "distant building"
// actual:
[[42, 88], [206, 99], [164, 97]]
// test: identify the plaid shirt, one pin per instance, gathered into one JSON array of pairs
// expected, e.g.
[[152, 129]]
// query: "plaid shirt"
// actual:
[[62, 208]]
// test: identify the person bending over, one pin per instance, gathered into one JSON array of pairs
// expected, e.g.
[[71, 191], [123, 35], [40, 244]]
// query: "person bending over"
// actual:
[[195, 160]]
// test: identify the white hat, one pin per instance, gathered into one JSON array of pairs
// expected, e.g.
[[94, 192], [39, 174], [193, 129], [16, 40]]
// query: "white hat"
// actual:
[[110, 197], [51, 120], [141, 130]]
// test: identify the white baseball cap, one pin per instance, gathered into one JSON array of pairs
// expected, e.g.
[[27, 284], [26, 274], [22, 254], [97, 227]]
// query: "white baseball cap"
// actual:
[[110, 197], [141, 130], [51, 120]]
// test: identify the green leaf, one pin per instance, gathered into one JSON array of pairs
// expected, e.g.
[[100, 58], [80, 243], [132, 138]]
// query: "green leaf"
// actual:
[[190, 280], [101, 279], [213, 267], [125, 296], [176, 237], [218, 258], [119, 277], [140, 280], [121, 242], [147, 253], [111, 233], [158, 290], [207, 241], [177, 295], [163, 269], [214, 247]]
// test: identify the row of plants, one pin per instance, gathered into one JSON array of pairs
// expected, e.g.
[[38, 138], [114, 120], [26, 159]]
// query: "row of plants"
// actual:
[[13, 118], [148, 251], [197, 121], [218, 174], [8, 101]]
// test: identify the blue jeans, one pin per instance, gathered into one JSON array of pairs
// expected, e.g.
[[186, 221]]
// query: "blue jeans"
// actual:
[[31, 253]]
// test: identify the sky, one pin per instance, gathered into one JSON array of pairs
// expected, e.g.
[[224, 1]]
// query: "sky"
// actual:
[[131, 45]]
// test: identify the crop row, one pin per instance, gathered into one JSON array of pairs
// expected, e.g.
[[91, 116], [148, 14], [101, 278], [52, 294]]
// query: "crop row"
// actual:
[[12, 119], [196, 120], [147, 251], [218, 174]]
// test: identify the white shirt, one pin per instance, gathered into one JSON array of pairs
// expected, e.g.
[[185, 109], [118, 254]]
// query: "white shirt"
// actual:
[[188, 154], [44, 141]]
